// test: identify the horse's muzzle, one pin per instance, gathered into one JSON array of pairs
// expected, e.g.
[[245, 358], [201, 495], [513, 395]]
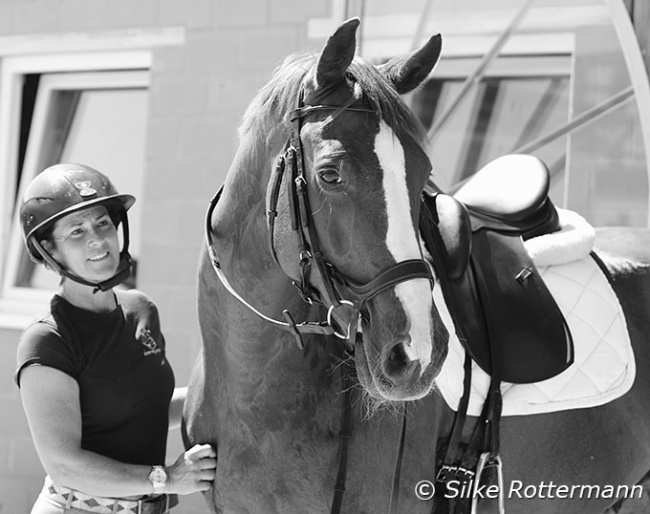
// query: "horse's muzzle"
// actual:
[[391, 365]]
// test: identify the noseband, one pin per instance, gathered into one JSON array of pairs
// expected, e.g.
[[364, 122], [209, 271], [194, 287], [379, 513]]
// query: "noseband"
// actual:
[[343, 311]]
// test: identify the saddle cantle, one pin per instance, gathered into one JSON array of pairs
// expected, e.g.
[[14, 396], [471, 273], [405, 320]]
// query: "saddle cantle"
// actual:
[[504, 314]]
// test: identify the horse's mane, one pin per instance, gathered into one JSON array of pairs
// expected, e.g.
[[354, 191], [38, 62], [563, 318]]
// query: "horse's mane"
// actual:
[[268, 112]]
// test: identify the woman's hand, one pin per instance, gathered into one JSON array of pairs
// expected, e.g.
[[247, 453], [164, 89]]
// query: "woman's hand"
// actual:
[[193, 471]]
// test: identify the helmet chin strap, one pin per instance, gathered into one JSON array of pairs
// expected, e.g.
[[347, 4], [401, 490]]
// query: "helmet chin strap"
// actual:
[[123, 272], [123, 269]]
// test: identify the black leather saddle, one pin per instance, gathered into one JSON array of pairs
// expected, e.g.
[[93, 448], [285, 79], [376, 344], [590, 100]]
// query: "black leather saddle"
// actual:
[[504, 314]]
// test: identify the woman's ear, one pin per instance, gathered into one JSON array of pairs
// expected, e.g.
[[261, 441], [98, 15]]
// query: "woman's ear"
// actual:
[[47, 245]]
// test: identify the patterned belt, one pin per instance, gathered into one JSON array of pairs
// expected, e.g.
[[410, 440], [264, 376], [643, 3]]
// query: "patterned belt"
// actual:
[[72, 498]]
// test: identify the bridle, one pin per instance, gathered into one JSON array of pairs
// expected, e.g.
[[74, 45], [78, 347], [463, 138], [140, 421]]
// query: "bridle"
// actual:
[[342, 313]]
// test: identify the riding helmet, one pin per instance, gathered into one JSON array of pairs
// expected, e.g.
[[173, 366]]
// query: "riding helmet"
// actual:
[[60, 190]]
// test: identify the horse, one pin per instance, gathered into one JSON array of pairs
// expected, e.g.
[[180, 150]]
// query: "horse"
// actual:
[[321, 339]]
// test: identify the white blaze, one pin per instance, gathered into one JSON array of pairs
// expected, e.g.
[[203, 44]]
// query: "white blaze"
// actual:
[[402, 242]]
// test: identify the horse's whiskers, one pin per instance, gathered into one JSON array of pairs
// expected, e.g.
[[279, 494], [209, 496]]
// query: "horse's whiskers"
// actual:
[[340, 362], [375, 406]]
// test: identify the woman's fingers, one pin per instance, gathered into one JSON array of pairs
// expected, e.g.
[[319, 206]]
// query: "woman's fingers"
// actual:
[[207, 474], [204, 486], [207, 463], [200, 451]]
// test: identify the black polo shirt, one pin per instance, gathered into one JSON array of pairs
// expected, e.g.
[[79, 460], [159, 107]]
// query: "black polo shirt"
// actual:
[[118, 359]]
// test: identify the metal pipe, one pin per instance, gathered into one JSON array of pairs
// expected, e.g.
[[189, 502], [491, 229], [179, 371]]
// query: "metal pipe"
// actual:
[[417, 37], [589, 116], [633, 55]]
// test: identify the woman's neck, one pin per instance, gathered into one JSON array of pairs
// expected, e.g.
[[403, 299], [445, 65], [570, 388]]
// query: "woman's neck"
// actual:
[[83, 297]]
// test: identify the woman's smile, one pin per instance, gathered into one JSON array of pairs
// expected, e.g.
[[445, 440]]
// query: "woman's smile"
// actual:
[[100, 257]]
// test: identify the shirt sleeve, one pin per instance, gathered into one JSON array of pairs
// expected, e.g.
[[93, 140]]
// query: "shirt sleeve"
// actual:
[[41, 344]]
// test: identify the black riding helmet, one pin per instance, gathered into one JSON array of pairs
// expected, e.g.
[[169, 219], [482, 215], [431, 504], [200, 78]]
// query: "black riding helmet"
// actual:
[[65, 188]]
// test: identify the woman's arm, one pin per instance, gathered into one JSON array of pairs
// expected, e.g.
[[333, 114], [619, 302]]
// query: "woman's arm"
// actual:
[[51, 402], [176, 407]]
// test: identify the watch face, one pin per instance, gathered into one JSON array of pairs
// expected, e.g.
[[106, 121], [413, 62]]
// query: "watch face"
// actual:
[[158, 477]]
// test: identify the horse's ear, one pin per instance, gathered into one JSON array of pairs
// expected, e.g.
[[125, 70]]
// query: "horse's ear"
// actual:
[[408, 71], [337, 54]]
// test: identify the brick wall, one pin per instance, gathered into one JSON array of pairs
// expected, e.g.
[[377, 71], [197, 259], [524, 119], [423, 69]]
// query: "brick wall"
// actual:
[[198, 93]]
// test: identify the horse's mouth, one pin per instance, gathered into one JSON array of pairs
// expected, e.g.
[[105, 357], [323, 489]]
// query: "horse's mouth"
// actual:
[[380, 386]]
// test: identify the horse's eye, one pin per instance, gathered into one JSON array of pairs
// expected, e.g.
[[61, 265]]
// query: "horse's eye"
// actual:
[[330, 176]]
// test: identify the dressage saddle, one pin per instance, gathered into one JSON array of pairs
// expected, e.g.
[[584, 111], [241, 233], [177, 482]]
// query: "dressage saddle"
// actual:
[[505, 316]]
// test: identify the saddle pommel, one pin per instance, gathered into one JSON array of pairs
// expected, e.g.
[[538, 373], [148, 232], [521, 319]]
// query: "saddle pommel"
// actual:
[[510, 194]]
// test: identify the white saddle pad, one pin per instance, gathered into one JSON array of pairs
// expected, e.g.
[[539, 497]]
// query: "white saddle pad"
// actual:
[[603, 368]]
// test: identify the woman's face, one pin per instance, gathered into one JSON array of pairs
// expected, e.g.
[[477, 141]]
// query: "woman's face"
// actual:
[[86, 243]]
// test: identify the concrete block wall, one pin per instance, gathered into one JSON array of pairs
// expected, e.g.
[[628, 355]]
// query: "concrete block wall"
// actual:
[[21, 474], [198, 93]]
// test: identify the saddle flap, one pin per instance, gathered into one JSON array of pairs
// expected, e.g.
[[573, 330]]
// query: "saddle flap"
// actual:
[[504, 314], [446, 230], [529, 337]]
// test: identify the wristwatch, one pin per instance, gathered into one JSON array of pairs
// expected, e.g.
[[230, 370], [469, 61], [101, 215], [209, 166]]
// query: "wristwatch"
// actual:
[[158, 478]]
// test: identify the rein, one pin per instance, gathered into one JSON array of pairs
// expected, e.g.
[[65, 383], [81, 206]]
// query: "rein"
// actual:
[[307, 327]]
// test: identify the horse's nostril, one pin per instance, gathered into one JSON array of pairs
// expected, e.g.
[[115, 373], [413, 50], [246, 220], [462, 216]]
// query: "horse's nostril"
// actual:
[[397, 362]]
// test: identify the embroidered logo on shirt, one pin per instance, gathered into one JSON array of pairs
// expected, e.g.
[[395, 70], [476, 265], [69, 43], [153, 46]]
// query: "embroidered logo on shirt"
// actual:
[[149, 343]]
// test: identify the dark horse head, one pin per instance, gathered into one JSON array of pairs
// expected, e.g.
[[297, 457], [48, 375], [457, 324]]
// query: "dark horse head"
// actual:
[[343, 202]]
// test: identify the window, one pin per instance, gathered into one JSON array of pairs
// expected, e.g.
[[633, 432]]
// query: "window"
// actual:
[[58, 109]]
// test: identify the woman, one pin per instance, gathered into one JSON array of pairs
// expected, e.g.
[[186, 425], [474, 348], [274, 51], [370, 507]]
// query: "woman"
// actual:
[[96, 387]]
